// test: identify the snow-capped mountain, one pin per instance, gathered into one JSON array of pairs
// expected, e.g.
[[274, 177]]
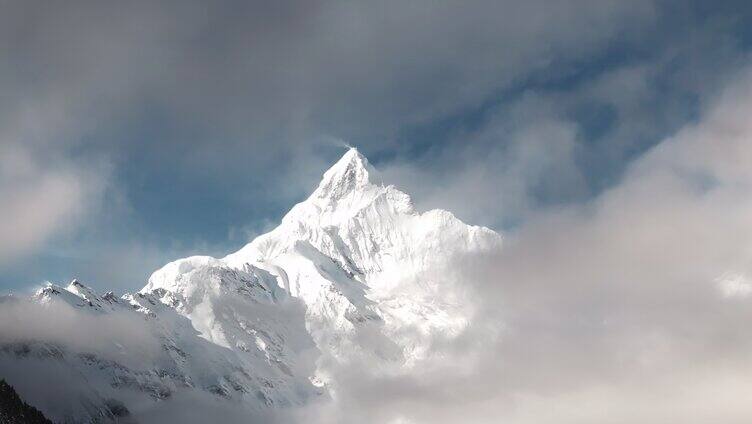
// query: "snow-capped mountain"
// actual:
[[352, 273]]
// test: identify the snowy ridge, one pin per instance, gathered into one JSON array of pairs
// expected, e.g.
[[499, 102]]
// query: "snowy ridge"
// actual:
[[248, 353], [353, 272]]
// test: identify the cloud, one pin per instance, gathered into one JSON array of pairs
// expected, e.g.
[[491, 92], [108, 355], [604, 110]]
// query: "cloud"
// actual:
[[122, 337], [627, 308], [548, 143], [176, 99], [223, 87], [734, 285], [519, 160], [40, 200], [620, 296]]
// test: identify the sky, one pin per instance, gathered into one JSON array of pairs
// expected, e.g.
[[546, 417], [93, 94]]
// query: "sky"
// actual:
[[134, 134], [609, 142]]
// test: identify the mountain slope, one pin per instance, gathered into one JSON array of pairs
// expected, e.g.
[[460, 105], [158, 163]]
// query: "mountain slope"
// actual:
[[353, 273], [363, 261], [13, 410]]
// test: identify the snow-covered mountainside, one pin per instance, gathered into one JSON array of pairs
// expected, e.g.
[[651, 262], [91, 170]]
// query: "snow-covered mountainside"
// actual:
[[352, 273]]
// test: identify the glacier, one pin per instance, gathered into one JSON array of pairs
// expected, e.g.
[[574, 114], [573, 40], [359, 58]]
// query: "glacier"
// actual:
[[353, 274]]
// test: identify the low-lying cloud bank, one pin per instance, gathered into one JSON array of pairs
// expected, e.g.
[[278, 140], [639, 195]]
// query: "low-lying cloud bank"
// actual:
[[633, 307]]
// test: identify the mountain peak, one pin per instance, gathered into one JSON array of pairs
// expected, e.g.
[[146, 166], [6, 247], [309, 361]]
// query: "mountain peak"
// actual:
[[351, 172]]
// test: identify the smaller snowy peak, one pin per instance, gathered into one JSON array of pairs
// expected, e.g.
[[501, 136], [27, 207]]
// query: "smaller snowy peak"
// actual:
[[74, 294], [351, 172], [81, 290], [170, 276], [188, 282]]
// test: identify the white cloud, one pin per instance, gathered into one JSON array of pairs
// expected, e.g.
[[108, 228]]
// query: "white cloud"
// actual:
[[41, 198], [525, 153], [734, 285], [607, 311], [118, 336]]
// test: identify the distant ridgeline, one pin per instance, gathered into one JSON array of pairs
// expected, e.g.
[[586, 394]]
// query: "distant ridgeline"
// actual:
[[13, 410]]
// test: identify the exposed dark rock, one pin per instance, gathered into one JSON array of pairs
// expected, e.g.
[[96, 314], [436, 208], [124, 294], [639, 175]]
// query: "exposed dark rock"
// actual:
[[13, 410]]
